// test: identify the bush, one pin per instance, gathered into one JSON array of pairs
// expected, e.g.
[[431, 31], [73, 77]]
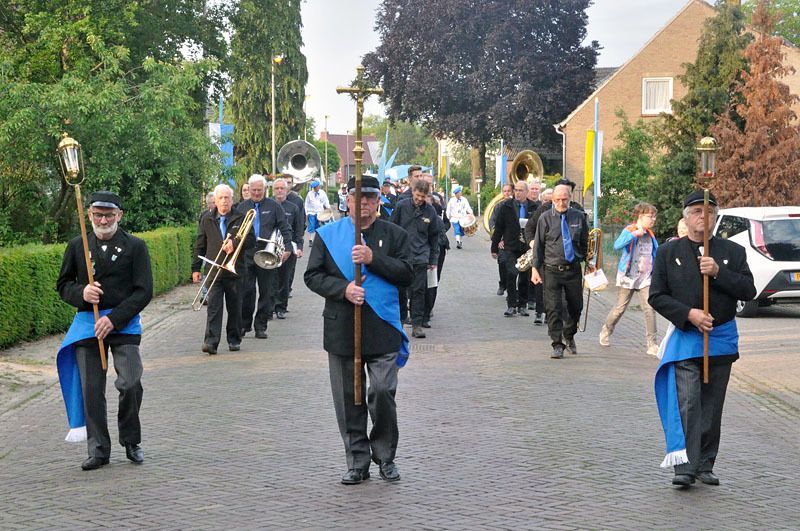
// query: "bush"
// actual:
[[29, 303]]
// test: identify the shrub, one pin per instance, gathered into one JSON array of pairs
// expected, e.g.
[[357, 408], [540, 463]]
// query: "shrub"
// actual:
[[30, 306]]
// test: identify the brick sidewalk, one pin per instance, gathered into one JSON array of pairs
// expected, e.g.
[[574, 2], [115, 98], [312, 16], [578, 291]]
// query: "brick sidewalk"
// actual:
[[493, 434]]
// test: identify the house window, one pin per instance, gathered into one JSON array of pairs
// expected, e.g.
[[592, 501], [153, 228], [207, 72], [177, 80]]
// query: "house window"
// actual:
[[656, 94]]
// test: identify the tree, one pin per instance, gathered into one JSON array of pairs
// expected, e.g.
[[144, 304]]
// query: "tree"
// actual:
[[710, 82], [263, 29], [64, 65], [333, 155], [414, 144], [763, 153], [787, 22], [506, 67], [629, 168]]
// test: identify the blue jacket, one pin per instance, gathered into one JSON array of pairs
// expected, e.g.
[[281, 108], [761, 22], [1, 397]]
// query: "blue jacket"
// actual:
[[626, 241]]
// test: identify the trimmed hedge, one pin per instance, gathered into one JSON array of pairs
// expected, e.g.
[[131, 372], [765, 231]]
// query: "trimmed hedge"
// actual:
[[29, 303]]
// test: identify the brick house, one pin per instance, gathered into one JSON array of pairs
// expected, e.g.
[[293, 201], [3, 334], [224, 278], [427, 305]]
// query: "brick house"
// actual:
[[344, 146], [645, 84]]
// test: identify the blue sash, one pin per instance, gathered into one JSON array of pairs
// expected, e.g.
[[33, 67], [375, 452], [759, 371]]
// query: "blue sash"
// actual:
[[381, 296], [69, 376], [385, 202], [679, 345]]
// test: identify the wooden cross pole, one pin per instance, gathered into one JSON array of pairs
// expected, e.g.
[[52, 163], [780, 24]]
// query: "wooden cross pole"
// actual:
[[359, 91]]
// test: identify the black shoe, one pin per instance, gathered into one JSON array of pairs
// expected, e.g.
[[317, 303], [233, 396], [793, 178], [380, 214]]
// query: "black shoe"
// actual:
[[416, 331], [208, 348], [280, 315], [511, 312], [539, 320], [389, 472], [244, 331], [501, 292], [354, 476], [261, 334], [572, 347], [234, 347], [134, 453], [94, 463], [458, 245], [709, 478], [523, 312], [532, 306], [683, 480], [426, 324], [558, 352]]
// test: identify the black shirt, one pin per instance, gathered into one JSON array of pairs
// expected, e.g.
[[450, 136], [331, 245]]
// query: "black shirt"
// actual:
[[549, 247]]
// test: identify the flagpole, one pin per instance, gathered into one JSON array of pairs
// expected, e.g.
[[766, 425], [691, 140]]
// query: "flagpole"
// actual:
[[595, 160]]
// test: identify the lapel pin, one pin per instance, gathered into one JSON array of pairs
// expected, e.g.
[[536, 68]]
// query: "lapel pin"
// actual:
[[678, 261]]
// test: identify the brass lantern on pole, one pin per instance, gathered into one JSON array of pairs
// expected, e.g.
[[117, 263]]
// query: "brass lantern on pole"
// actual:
[[70, 158], [708, 153]]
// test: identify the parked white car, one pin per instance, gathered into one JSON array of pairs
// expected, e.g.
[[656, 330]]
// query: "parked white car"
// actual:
[[771, 236]]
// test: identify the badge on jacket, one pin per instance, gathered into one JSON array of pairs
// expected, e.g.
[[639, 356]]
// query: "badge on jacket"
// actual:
[[426, 220]]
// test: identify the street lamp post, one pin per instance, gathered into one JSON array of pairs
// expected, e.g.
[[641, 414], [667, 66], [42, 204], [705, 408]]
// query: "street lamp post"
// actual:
[[325, 169], [276, 60]]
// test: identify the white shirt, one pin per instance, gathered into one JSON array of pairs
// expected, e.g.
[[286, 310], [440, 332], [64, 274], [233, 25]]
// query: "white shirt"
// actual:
[[457, 208], [316, 202]]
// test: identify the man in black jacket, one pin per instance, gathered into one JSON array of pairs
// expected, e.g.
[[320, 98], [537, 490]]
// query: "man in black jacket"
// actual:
[[438, 203], [269, 216], [221, 223], [419, 219], [385, 263], [676, 292], [294, 218], [123, 286], [512, 216], [560, 246]]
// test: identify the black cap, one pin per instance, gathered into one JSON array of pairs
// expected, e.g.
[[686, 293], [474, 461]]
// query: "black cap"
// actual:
[[104, 199], [368, 184], [697, 197]]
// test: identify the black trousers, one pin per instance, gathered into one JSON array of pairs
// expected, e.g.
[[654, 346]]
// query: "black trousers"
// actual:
[[128, 366], [381, 444], [284, 283], [416, 294], [501, 270], [701, 411], [226, 288], [538, 296], [430, 293], [516, 283], [265, 279], [569, 284]]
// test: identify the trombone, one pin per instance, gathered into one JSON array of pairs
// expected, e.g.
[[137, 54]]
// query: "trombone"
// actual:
[[594, 261], [228, 262]]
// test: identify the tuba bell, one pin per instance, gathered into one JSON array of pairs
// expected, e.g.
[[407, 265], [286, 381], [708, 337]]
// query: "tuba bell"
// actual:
[[271, 256], [527, 165], [301, 160]]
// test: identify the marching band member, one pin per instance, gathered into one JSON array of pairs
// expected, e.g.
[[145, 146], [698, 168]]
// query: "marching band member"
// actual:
[[280, 189], [507, 191], [676, 292], [419, 219], [512, 217], [388, 199], [437, 201], [221, 223], [457, 208], [316, 202], [123, 287], [562, 239], [269, 216], [294, 198], [384, 260]]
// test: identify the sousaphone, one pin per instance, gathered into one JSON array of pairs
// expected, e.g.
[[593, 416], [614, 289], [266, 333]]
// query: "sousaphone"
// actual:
[[301, 160], [527, 166]]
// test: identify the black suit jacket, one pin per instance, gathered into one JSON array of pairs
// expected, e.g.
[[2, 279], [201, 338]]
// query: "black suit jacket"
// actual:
[[209, 240], [390, 260], [677, 285], [506, 226]]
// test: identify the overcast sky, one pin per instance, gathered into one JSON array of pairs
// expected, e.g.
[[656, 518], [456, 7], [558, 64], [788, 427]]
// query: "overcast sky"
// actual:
[[337, 33]]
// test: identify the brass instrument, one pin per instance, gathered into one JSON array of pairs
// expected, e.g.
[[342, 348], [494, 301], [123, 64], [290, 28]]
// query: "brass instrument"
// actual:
[[488, 222], [527, 166], [301, 160], [594, 261], [228, 262], [271, 256], [525, 261]]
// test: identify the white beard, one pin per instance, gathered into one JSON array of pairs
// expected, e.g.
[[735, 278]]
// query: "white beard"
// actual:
[[105, 233]]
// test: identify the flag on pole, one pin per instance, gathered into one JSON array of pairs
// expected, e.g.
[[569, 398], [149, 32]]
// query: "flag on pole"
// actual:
[[588, 163]]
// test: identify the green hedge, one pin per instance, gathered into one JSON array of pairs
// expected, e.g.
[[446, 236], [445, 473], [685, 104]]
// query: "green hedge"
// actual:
[[29, 303]]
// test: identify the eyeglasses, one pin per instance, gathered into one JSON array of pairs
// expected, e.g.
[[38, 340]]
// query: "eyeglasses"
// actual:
[[97, 216]]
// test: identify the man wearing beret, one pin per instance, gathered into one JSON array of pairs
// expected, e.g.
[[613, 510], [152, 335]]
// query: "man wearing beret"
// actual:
[[383, 260], [123, 286], [690, 410]]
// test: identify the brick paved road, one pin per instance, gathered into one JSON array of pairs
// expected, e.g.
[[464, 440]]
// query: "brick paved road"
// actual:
[[494, 434]]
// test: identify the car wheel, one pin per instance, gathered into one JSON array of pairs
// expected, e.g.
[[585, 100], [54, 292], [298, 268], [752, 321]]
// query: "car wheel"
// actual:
[[746, 308]]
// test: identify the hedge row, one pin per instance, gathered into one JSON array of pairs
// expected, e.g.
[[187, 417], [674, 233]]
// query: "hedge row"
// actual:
[[29, 303]]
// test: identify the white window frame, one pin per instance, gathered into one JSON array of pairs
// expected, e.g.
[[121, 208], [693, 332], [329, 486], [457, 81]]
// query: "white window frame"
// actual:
[[655, 112]]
